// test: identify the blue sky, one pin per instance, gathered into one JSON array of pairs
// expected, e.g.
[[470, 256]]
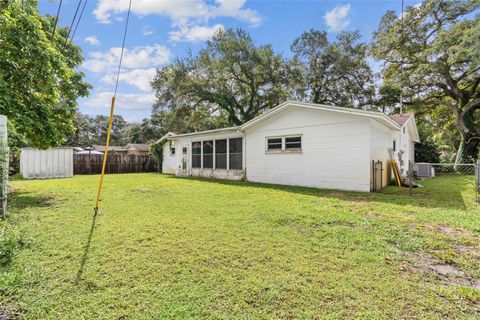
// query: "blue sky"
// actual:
[[161, 30]]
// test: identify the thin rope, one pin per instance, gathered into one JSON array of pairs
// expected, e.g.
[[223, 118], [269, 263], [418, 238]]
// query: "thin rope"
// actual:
[[73, 21], [79, 18], [112, 109], [123, 48], [56, 18], [401, 65]]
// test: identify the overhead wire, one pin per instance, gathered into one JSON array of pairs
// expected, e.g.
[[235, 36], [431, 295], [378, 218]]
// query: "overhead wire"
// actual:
[[56, 18], [78, 21], [73, 21], [112, 109]]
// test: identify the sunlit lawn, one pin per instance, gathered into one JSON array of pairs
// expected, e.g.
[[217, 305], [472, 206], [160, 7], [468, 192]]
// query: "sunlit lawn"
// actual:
[[166, 247]]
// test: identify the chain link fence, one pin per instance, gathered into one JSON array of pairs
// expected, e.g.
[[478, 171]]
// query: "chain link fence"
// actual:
[[449, 179]]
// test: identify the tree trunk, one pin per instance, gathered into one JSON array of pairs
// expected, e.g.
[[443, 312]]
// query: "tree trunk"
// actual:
[[459, 156], [470, 150], [470, 138]]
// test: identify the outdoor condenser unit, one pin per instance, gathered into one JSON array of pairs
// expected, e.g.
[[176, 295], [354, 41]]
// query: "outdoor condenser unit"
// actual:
[[424, 170]]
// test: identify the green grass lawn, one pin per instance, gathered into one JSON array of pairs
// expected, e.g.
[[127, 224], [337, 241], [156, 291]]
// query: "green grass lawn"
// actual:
[[166, 247]]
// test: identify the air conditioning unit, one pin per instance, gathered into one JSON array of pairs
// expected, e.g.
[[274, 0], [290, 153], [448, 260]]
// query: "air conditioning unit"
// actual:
[[424, 170]]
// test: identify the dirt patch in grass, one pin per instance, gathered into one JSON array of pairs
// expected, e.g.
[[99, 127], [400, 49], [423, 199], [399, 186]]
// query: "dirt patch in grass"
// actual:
[[448, 274], [9, 315], [472, 252], [448, 231]]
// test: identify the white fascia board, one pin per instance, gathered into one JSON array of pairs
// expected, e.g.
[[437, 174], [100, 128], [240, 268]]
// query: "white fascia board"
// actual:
[[382, 118]]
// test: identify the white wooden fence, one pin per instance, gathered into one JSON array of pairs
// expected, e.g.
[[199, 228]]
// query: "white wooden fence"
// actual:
[[44, 164]]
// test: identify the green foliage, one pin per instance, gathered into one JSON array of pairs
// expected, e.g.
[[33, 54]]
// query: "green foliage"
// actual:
[[184, 118], [39, 83], [427, 150], [334, 73], [91, 131], [230, 75], [148, 131], [432, 58], [11, 240], [100, 128], [157, 151]]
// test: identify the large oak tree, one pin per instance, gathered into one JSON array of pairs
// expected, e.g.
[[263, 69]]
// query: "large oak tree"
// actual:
[[432, 57], [231, 75], [335, 73]]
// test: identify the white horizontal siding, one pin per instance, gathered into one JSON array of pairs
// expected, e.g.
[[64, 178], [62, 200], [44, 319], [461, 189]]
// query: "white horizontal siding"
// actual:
[[335, 150], [381, 138]]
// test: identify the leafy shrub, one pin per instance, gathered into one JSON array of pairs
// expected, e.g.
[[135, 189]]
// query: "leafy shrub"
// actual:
[[11, 239]]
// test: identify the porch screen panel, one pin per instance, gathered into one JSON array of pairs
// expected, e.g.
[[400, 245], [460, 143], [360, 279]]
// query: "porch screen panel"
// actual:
[[208, 154], [196, 154], [235, 148], [221, 154]]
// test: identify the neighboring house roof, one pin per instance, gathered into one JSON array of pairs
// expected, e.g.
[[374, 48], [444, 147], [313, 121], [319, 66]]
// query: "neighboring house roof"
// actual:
[[401, 119], [89, 152], [139, 146], [378, 116], [110, 148]]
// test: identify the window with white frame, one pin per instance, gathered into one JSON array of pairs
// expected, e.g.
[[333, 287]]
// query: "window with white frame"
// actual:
[[172, 147], [287, 143], [274, 144], [293, 143]]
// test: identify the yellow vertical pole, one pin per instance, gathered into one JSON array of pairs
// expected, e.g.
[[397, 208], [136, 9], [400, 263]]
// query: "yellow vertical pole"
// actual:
[[110, 120]]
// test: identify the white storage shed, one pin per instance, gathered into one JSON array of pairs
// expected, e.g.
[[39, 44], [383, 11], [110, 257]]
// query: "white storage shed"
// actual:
[[44, 164]]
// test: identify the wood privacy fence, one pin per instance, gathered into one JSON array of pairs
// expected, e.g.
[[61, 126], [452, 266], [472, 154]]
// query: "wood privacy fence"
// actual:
[[116, 163]]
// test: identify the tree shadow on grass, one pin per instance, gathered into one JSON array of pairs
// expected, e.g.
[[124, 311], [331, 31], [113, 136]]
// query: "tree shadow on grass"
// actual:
[[86, 251], [441, 192], [22, 200]]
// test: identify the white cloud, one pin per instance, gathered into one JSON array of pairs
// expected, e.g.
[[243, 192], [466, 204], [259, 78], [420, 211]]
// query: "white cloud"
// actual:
[[194, 34], [92, 40], [139, 78], [179, 10], [337, 18], [132, 101], [138, 57], [147, 31], [187, 15], [234, 9]]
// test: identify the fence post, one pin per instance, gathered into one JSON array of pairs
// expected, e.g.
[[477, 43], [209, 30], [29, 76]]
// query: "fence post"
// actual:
[[477, 176], [410, 176]]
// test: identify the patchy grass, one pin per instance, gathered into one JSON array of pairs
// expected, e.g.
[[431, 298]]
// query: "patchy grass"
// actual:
[[165, 247]]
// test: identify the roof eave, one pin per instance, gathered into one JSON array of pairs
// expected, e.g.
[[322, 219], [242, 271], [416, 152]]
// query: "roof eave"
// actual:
[[386, 120]]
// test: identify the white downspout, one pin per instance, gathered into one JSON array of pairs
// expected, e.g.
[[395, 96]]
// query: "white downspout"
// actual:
[[244, 153]]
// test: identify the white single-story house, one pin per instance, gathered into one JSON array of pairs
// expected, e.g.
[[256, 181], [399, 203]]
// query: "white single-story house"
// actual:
[[300, 144]]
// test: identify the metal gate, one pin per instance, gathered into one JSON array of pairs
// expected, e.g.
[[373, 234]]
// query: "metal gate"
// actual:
[[377, 175]]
